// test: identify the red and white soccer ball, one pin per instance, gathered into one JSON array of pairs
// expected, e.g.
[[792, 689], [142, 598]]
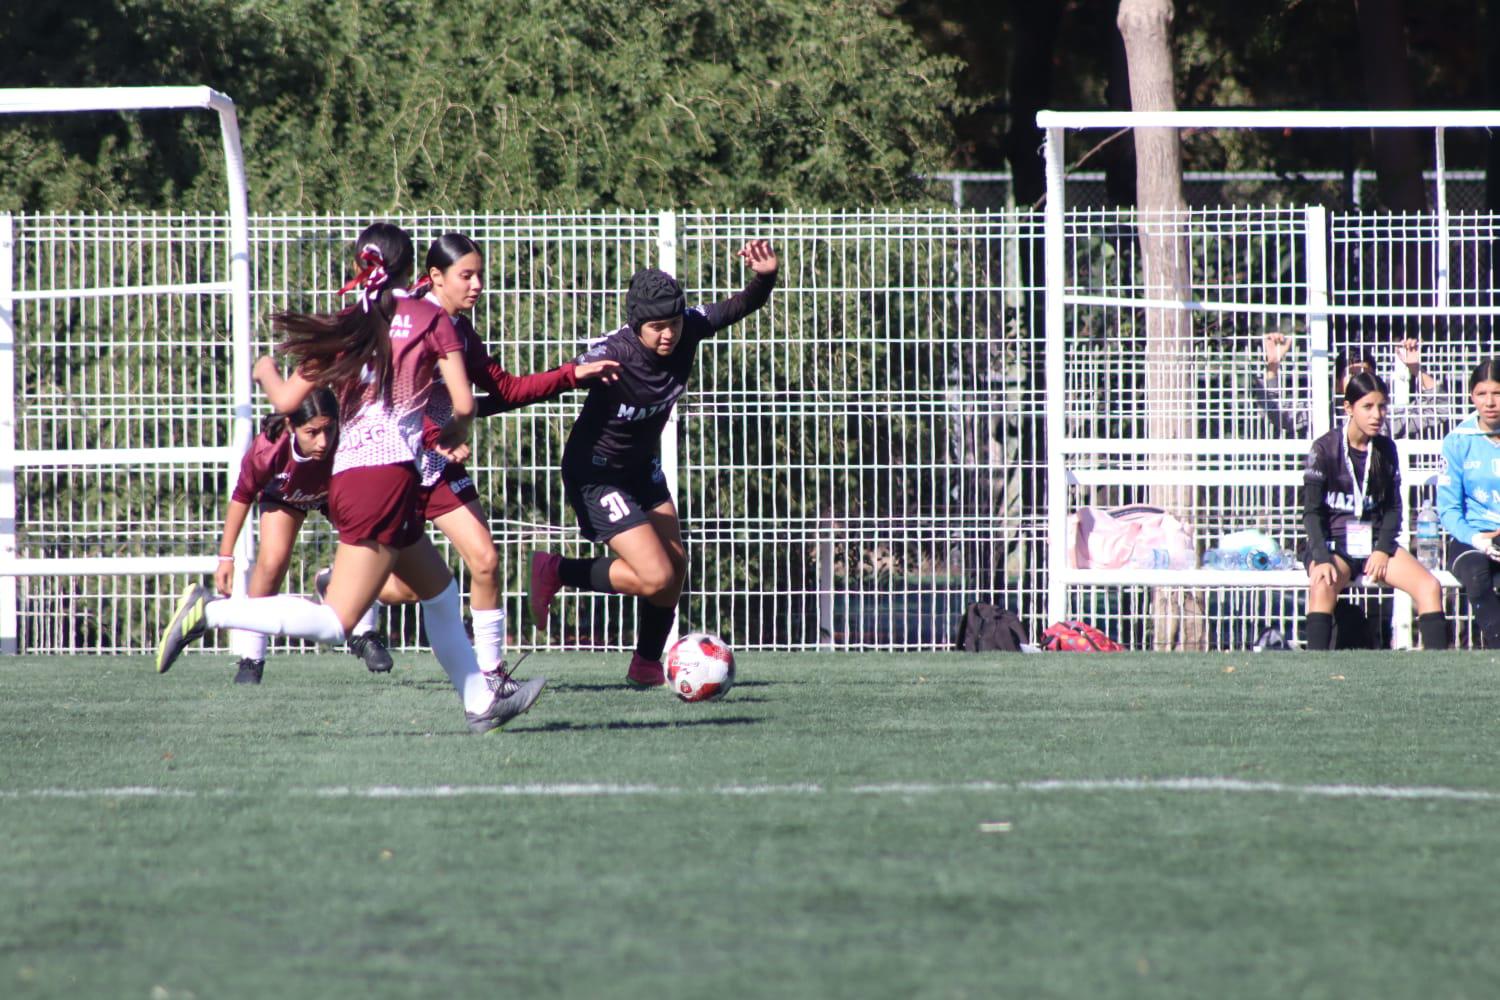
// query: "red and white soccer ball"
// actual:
[[700, 667]]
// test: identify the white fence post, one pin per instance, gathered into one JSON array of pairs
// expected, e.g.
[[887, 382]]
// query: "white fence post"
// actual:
[[1057, 462], [666, 256], [1319, 367], [9, 617]]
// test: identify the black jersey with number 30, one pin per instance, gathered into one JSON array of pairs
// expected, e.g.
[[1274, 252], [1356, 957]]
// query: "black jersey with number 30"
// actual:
[[620, 425]]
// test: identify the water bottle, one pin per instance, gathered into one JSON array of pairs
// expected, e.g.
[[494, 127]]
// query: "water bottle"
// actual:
[[1224, 559], [1151, 559], [1428, 538], [1259, 559]]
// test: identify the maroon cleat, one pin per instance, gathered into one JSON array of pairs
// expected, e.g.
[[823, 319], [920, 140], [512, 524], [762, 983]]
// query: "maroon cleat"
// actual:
[[644, 673], [545, 583]]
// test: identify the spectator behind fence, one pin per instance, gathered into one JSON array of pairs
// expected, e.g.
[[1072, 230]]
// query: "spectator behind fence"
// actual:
[[1271, 391], [1468, 499]]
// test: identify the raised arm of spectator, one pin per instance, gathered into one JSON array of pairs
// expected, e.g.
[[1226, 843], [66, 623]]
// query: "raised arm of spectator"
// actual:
[[1269, 388]]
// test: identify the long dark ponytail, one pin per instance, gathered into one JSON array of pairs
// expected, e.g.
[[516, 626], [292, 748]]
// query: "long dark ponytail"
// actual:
[[318, 403], [1382, 476], [443, 253], [335, 348]]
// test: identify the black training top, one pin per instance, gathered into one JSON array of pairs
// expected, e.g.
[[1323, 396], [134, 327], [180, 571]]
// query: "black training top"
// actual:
[[621, 422], [1328, 494]]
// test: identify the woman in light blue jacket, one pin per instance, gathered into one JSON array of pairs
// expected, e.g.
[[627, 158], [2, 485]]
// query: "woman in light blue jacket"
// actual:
[[1469, 499]]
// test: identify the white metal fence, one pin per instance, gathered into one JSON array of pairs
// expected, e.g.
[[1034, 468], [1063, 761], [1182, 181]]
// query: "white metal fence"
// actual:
[[1168, 426], [856, 462], [852, 463], [1336, 190]]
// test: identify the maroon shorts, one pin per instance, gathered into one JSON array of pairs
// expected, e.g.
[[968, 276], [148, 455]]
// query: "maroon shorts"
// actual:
[[448, 494], [377, 503]]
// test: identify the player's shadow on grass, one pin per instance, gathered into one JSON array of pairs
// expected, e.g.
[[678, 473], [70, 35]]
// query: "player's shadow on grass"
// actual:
[[581, 727], [554, 685]]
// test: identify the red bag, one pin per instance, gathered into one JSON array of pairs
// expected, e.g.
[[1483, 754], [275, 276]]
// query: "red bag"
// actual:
[[1078, 637]]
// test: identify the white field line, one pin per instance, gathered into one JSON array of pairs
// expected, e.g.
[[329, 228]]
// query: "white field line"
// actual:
[[589, 790]]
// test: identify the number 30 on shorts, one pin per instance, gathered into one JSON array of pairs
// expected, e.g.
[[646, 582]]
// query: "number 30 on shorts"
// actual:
[[614, 505]]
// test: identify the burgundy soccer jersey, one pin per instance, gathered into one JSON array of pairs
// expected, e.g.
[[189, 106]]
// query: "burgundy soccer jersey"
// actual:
[[273, 472], [387, 430], [506, 391]]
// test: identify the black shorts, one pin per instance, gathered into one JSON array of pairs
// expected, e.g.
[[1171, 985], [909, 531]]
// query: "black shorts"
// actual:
[[607, 502], [1356, 563], [1457, 550]]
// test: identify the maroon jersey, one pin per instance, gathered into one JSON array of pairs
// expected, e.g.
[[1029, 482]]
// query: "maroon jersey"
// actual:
[[386, 429], [506, 391], [273, 472]]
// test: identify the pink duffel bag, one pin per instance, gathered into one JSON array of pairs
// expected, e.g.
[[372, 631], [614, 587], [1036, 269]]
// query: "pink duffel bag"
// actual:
[[1138, 535]]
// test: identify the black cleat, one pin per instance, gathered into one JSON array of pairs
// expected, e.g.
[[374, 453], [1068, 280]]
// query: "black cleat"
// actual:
[[250, 671], [371, 648], [506, 707], [320, 583], [188, 624]]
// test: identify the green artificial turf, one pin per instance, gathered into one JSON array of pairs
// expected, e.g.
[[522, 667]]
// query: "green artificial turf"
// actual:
[[838, 826]]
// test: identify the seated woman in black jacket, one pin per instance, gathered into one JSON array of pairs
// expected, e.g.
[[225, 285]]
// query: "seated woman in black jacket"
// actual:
[[1351, 509]]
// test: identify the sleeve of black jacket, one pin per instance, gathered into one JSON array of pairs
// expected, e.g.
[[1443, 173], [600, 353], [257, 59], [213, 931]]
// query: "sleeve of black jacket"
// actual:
[[727, 312], [1314, 486], [1390, 519]]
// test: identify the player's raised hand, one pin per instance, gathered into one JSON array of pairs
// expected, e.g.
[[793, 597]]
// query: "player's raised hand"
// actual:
[[759, 255], [1409, 353], [605, 371], [1276, 346]]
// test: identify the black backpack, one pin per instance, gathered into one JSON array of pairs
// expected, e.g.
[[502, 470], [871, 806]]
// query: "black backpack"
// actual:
[[985, 628]]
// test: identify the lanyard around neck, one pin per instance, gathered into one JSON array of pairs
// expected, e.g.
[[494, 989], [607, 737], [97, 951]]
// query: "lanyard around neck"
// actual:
[[1360, 486]]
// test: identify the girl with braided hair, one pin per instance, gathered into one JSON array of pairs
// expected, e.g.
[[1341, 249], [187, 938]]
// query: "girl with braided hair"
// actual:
[[380, 358], [612, 462], [1351, 508]]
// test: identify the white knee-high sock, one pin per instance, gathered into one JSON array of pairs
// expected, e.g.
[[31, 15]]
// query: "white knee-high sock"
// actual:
[[247, 645], [489, 637], [445, 630], [368, 620], [279, 615]]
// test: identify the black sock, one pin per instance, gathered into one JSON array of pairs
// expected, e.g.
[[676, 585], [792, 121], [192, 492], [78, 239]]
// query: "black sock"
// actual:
[[653, 624], [1319, 630], [1433, 628], [587, 574], [1475, 572]]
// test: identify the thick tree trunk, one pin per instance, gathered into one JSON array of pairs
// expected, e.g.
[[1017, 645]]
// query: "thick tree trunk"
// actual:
[[1145, 26]]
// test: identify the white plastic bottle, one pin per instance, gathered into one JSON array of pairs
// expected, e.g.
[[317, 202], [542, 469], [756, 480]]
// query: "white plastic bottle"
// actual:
[[1428, 540]]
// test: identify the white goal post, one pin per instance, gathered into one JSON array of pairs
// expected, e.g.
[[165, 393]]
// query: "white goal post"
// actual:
[[1315, 309], [235, 284]]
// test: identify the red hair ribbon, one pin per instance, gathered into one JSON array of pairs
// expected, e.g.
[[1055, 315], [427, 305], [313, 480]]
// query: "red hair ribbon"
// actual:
[[372, 275]]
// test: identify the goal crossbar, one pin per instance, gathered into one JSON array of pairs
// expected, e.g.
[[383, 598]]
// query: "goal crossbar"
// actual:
[[70, 100]]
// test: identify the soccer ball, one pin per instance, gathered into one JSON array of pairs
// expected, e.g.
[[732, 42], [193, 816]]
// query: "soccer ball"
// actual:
[[700, 667]]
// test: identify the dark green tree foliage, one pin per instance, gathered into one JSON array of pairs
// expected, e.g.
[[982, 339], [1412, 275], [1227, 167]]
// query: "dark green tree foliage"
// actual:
[[516, 104]]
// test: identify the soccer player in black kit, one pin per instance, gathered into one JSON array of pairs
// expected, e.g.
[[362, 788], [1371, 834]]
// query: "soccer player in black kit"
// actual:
[[612, 462], [1351, 508]]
